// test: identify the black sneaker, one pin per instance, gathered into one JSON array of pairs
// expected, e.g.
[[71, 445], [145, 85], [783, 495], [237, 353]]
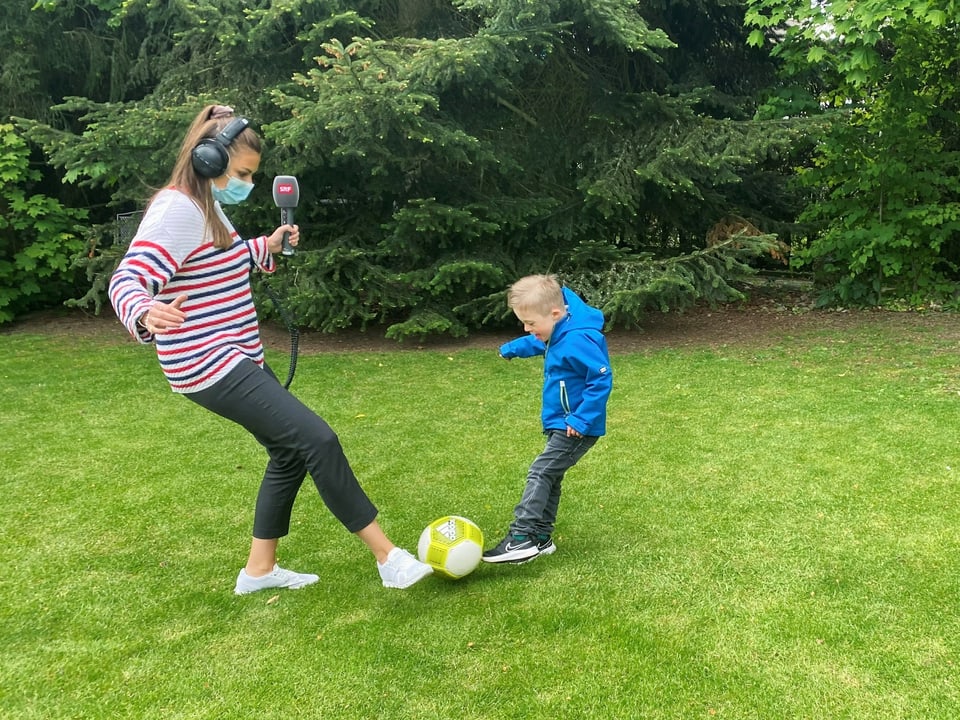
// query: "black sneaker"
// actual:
[[513, 548], [545, 545]]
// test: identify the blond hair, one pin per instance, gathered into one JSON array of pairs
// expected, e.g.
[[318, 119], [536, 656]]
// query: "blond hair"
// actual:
[[208, 124], [537, 293]]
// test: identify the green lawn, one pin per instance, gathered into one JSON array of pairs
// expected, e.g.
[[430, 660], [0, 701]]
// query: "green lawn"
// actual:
[[765, 533]]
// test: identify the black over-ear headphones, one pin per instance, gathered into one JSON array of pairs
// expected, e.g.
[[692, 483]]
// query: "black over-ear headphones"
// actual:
[[210, 157]]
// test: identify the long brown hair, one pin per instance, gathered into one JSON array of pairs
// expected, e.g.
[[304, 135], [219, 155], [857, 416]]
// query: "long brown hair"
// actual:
[[208, 124]]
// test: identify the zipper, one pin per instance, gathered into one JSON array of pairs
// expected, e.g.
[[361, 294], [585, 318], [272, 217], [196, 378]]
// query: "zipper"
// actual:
[[564, 400]]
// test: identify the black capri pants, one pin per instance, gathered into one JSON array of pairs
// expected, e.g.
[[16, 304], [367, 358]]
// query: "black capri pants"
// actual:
[[298, 442]]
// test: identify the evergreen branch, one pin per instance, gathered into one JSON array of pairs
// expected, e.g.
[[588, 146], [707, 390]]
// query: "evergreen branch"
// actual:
[[629, 288], [514, 109]]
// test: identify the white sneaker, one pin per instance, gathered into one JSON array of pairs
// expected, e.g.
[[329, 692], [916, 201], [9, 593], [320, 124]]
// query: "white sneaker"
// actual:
[[401, 570], [278, 578]]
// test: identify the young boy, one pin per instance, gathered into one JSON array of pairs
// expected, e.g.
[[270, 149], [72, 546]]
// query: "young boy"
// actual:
[[576, 384]]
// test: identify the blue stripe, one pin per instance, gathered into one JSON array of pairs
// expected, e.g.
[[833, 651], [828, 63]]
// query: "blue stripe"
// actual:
[[225, 309], [166, 343], [211, 291], [202, 370]]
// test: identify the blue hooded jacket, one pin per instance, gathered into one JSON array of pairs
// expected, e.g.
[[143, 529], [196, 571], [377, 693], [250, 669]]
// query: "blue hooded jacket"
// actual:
[[577, 378]]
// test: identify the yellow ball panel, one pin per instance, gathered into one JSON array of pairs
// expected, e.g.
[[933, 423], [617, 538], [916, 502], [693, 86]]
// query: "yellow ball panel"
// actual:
[[452, 545]]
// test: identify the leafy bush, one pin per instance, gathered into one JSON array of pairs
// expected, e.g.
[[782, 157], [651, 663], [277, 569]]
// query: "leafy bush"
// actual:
[[885, 191], [39, 237]]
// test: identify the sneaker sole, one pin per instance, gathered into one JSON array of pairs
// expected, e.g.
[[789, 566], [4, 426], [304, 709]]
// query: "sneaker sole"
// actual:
[[302, 580], [294, 586], [298, 586], [547, 551], [517, 556]]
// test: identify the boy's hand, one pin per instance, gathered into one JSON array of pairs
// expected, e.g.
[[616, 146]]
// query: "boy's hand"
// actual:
[[573, 433]]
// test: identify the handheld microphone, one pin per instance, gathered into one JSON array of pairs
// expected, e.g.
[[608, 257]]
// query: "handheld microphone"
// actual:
[[286, 195]]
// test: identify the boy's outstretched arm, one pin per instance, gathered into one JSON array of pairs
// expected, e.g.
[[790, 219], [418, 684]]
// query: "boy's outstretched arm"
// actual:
[[522, 347]]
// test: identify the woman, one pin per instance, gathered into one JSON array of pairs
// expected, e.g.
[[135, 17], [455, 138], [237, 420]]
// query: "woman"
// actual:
[[184, 285]]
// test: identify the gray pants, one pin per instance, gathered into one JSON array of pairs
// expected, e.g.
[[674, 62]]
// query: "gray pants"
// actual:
[[297, 440], [536, 513]]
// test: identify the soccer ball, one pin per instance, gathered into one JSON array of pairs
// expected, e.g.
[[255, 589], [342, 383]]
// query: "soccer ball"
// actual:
[[451, 545]]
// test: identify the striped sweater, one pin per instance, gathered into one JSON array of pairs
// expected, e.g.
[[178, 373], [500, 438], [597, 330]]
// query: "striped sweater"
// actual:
[[170, 256]]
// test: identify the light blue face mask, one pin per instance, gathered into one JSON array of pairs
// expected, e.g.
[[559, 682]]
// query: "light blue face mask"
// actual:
[[236, 191]]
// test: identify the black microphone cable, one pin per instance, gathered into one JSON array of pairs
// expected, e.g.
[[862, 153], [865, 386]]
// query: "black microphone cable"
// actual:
[[291, 328]]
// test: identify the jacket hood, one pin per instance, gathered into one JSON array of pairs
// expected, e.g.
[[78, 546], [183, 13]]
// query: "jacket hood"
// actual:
[[581, 316]]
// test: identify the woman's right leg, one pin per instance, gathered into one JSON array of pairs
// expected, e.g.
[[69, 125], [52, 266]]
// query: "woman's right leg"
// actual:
[[298, 441]]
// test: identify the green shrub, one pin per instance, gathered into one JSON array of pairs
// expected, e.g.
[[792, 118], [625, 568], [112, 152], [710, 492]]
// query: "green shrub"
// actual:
[[39, 237]]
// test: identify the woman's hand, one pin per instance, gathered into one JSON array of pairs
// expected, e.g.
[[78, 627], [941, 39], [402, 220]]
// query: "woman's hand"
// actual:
[[275, 241], [163, 317]]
